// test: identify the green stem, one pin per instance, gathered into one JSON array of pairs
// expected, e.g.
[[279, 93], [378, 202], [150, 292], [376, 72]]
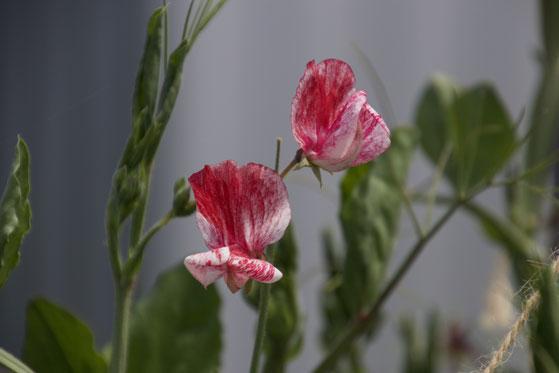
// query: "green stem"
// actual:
[[113, 246], [289, 167], [278, 152], [364, 323], [139, 215], [12, 363], [137, 253], [166, 38], [119, 354], [265, 290]]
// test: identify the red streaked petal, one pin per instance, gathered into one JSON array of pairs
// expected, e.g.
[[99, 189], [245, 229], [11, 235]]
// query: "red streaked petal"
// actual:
[[321, 95], [235, 280], [209, 266], [246, 206], [259, 270], [376, 136], [341, 144]]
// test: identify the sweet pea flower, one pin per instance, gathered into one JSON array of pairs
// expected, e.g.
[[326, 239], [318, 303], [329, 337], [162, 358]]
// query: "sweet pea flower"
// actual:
[[331, 121], [240, 210]]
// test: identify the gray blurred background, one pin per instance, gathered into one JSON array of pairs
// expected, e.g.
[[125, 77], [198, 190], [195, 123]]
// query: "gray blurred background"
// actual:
[[67, 71]]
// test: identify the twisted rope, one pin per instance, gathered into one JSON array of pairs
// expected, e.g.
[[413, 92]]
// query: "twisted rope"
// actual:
[[499, 355]]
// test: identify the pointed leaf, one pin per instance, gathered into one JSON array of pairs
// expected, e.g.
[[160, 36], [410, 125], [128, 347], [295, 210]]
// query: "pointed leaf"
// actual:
[[316, 172], [176, 328], [57, 341], [147, 80], [473, 122], [15, 213], [172, 83]]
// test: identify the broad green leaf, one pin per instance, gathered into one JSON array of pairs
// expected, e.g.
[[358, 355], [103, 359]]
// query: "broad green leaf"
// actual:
[[284, 337], [545, 331], [474, 123], [434, 115], [12, 363], [147, 79], [57, 341], [483, 137], [370, 217], [15, 213], [176, 328]]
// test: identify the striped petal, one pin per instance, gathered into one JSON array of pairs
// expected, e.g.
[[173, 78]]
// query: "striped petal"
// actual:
[[246, 206], [321, 95], [257, 269], [376, 136], [209, 266], [340, 145]]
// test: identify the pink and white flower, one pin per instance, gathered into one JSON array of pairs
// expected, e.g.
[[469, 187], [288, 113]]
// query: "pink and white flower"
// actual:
[[240, 210], [332, 122]]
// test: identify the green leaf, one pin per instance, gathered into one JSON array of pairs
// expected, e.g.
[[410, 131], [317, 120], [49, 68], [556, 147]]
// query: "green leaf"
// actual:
[[15, 213], [57, 341], [176, 328], [147, 79], [316, 172], [12, 363], [370, 216], [284, 335], [434, 116], [371, 204], [545, 330], [476, 125], [172, 83]]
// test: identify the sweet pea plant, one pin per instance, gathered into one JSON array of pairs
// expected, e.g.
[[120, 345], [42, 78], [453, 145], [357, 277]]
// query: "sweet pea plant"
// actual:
[[244, 215]]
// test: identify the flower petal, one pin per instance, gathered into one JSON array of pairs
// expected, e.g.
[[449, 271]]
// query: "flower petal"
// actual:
[[235, 280], [209, 266], [321, 95], [376, 136], [341, 144], [257, 269], [246, 206]]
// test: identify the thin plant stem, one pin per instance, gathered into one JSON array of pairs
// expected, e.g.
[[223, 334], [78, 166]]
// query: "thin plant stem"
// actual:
[[432, 193], [113, 246], [124, 289], [119, 354], [137, 253], [12, 363], [278, 153], [166, 50], [365, 322], [407, 203], [187, 19], [265, 290], [292, 164]]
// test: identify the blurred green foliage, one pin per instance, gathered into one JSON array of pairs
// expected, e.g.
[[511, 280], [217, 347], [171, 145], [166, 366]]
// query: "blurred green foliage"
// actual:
[[15, 213]]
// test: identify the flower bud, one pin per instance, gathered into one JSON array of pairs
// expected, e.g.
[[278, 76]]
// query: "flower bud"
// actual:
[[182, 204]]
